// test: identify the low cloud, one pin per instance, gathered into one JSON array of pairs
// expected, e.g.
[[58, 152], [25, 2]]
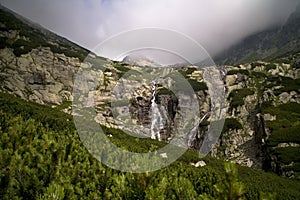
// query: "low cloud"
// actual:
[[215, 24]]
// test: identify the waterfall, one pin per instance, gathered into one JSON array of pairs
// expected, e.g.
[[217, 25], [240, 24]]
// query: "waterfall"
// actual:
[[193, 132], [214, 78], [157, 122]]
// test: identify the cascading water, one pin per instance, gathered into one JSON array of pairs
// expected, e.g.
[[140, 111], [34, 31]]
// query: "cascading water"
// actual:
[[193, 132], [157, 122], [214, 78]]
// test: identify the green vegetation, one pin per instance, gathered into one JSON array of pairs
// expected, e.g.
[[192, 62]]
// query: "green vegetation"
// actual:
[[285, 129], [197, 86], [120, 67], [52, 118], [289, 154], [187, 71], [270, 66], [68, 52], [236, 97], [258, 75], [42, 157], [3, 42], [35, 38], [234, 189], [284, 134], [287, 116], [65, 104], [231, 124], [124, 71], [287, 84], [256, 64], [181, 84], [240, 71], [140, 145], [10, 21], [23, 47]]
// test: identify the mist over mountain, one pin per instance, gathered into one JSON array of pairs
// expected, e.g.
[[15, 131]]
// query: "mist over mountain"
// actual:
[[216, 25], [266, 45]]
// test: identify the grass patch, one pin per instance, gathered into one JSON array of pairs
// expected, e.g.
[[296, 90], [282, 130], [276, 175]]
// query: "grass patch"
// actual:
[[236, 97], [271, 66], [285, 135], [197, 86], [65, 104], [187, 71], [238, 71], [288, 84], [288, 154], [231, 124]]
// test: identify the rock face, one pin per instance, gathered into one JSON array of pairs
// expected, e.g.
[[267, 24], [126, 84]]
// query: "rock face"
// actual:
[[39, 76], [140, 105], [260, 114], [140, 109], [35, 63], [169, 105]]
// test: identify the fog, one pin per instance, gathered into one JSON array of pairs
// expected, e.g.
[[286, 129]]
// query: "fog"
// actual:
[[215, 24]]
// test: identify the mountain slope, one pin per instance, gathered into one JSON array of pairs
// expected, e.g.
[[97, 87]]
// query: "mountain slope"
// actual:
[[267, 45], [42, 157], [27, 35], [39, 69]]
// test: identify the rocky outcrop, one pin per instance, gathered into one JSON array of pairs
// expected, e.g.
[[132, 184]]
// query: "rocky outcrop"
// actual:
[[140, 109], [39, 76]]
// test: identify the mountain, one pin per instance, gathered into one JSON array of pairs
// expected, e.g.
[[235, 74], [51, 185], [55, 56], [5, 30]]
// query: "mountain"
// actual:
[[31, 35], [43, 156], [140, 61], [267, 45]]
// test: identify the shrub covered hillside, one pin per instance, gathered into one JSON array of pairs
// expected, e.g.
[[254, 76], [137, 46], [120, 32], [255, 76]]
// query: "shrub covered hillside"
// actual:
[[43, 158], [26, 36]]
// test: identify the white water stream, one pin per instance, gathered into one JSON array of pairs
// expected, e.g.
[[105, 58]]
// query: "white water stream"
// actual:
[[157, 122]]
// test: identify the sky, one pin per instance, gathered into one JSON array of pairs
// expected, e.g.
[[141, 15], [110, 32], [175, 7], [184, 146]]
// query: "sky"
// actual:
[[214, 24]]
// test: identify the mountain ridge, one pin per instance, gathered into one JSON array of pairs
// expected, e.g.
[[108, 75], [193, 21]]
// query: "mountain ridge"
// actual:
[[47, 33], [267, 45]]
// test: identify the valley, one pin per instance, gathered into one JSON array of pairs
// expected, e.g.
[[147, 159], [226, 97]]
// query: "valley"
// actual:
[[47, 83]]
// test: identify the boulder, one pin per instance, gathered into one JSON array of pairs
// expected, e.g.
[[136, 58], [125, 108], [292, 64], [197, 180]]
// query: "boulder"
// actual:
[[200, 163]]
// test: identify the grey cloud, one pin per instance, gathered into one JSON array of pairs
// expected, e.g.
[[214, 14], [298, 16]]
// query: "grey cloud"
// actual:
[[215, 24]]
